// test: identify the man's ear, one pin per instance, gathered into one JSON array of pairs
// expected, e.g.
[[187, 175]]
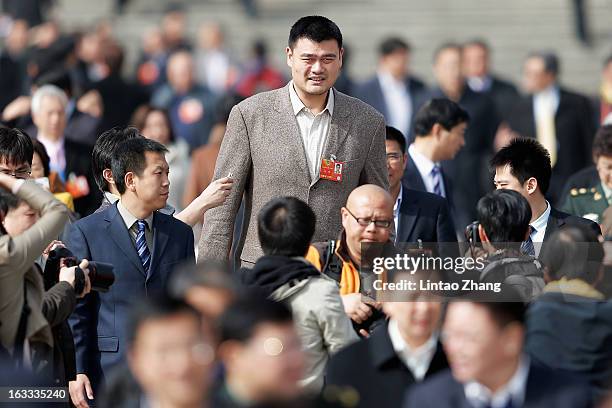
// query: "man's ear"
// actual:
[[108, 176], [482, 234], [130, 181], [436, 131], [531, 185], [289, 53]]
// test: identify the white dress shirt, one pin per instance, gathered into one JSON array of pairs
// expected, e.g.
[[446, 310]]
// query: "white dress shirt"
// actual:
[[417, 359], [480, 396], [424, 165], [480, 84], [57, 155], [398, 102], [545, 101], [540, 226], [313, 129], [396, 209]]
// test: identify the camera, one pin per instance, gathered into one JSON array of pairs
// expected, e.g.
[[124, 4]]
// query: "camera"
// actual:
[[471, 233], [101, 274]]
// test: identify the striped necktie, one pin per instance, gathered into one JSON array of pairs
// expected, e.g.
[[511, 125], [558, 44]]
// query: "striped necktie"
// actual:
[[527, 247], [141, 245], [436, 177]]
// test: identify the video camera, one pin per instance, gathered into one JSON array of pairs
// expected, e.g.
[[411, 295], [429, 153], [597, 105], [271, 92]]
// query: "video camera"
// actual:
[[101, 274]]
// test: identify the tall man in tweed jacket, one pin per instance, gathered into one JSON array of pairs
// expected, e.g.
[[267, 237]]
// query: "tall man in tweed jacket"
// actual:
[[275, 143]]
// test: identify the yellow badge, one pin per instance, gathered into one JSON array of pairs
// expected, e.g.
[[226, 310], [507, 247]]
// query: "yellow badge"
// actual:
[[582, 190], [574, 192], [597, 197]]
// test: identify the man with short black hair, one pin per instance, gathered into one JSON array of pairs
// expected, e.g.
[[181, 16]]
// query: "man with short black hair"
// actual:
[[524, 166], [483, 339], [261, 353], [317, 127], [144, 246], [285, 227], [16, 152], [503, 217], [393, 91], [562, 121]]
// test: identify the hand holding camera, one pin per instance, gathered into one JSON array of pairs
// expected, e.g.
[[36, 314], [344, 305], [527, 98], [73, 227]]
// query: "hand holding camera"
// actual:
[[70, 275]]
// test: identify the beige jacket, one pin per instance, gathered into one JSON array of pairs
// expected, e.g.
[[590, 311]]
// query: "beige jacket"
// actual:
[[17, 256], [320, 320], [263, 150]]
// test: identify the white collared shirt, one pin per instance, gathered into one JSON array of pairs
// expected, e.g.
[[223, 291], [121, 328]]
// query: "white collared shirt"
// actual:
[[546, 102], [397, 100], [417, 359], [540, 226], [480, 84], [424, 165], [313, 129], [396, 209], [480, 396], [57, 154]]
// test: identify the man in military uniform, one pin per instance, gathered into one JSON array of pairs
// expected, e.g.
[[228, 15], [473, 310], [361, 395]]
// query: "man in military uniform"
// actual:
[[591, 201]]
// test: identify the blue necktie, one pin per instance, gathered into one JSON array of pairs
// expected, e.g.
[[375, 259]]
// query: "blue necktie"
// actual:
[[436, 177], [141, 245], [527, 247]]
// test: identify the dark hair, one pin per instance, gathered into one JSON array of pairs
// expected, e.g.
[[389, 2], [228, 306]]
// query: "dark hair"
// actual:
[[503, 312], [550, 59], [59, 77], [130, 157], [392, 134], [156, 308], [112, 55], [504, 215], [602, 144], [446, 46], [8, 202], [139, 119], [104, 150], [15, 146], [477, 42], [442, 111], [573, 252], [286, 226], [210, 274], [259, 48], [241, 318], [314, 28], [391, 45], [224, 106], [527, 158], [41, 151]]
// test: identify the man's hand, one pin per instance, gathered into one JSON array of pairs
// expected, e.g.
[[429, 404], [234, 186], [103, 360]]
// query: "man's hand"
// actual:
[[79, 389], [358, 311], [7, 181], [69, 275], [18, 107]]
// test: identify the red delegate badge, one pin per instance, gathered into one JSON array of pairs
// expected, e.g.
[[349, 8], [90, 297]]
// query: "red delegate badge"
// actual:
[[331, 170]]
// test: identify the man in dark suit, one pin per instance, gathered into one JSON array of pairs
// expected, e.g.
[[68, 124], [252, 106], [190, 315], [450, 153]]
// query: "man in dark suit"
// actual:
[[144, 246], [418, 216], [483, 340], [70, 160], [476, 68], [468, 170], [398, 354], [439, 127], [524, 166], [562, 121], [393, 91]]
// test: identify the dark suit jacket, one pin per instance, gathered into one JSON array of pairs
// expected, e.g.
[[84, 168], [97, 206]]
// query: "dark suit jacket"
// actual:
[[374, 370], [574, 131], [424, 216], [559, 219], [98, 322], [412, 179], [82, 128], [371, 93], [545, 389], [78, 161], [504, 94]]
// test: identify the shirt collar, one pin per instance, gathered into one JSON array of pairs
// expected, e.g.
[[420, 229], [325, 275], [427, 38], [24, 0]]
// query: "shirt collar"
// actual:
[[129, 219], [398, 202], [400, 346], [422, 162], [480, 396], [49, 144], [540, 223], [110, 197], [606, 190], [298, 105], [386, 79]]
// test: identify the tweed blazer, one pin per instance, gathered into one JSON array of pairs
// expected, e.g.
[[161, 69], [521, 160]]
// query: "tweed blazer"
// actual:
[[263, 150]]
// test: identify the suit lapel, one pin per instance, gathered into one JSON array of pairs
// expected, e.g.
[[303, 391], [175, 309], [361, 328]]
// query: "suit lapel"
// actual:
[[409, 212], [553, 224], [293, 138], [338, 128], [379, 97], [119, 233], [413, 177], [160, 240], [530, 117]]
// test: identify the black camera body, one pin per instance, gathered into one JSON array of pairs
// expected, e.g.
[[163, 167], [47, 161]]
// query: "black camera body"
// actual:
[[101, 275], [471, 233]]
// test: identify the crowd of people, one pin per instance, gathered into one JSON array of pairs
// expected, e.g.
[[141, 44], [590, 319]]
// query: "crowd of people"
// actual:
[[201, 236]]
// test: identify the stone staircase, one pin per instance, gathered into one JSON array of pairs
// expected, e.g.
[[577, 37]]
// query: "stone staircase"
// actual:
[[512, 27]]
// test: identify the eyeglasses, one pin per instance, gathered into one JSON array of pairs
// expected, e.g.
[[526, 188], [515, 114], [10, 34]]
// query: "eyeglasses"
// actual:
[[19, 174], [364, 222]]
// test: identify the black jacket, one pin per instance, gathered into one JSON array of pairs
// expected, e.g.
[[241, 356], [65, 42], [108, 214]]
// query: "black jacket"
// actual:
[[374, 370], [559, 219]]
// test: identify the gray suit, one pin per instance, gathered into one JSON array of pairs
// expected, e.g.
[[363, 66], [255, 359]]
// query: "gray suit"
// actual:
[[263, 150]]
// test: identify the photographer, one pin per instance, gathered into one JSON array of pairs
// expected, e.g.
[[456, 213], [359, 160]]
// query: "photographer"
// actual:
[[61, 286], [503, 217]]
